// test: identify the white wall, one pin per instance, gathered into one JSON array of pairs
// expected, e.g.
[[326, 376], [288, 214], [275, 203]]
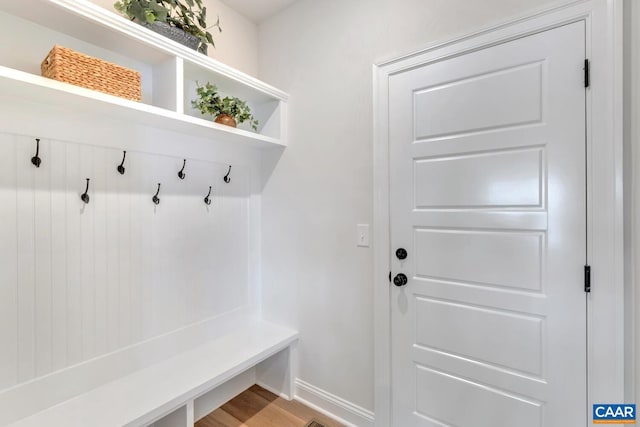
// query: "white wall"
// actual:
[[314, 276], [632, 188], [236, 46]]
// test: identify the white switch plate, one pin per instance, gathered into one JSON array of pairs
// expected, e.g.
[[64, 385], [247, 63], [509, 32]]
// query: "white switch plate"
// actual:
[[363, 235]]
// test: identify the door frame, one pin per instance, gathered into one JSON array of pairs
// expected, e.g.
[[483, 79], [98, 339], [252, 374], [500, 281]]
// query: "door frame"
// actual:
[[604, 101]]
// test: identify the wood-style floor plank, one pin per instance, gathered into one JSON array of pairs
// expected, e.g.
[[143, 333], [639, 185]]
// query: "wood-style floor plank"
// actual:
[[251, 408], [220, 418], [296, 408], [258, 407]]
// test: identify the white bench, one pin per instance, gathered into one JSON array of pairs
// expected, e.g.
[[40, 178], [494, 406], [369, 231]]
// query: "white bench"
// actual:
[[165, 394]]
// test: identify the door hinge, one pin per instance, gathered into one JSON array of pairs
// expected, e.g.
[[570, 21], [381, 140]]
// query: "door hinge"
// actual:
[[587, 278], [587, 67]]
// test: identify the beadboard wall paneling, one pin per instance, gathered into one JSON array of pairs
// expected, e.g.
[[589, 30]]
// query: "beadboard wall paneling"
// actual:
[[8, 266], [79, 281]]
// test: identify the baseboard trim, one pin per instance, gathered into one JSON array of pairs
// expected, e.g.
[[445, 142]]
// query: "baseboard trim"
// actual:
[[332, 406]]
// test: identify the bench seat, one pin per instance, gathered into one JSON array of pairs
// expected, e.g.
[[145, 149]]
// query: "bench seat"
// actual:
[[146, 395]]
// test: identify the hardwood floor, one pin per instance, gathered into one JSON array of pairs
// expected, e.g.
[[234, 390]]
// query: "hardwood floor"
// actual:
[[257, 407]]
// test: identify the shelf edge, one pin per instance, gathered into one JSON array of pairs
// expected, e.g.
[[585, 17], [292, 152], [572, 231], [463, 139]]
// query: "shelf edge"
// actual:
[[181, 120]]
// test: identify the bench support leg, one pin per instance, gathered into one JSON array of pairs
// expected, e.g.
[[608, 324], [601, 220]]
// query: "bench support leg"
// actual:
[[277, 373], [190, 417]]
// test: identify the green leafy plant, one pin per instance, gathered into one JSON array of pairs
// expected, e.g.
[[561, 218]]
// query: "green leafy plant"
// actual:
[[210, 102], [188, 15], [145, 11]]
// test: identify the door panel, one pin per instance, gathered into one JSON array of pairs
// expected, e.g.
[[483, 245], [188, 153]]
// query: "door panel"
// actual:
[[475, 404], [502, 98], [509, 340], [488, 258], [490, 180], [487, 166]]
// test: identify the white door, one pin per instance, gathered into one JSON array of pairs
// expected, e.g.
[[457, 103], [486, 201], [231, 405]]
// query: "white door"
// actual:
[[487, 154]]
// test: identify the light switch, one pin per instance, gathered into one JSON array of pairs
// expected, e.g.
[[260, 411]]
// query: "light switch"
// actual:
[[363, 235]]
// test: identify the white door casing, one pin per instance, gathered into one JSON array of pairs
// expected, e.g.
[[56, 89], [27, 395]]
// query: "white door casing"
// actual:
[[487, 159], [605, 333]]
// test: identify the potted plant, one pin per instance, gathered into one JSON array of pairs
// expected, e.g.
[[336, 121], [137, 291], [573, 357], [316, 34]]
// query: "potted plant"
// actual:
[[227, 111], [184, 21]]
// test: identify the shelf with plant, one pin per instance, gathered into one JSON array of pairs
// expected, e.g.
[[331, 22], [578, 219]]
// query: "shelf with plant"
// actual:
[[47, 22], [184, 21], [228, 110], [24, 89], [169, 71]]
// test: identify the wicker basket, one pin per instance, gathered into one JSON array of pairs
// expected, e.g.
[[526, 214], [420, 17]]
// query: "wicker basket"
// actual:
[[66, 65]]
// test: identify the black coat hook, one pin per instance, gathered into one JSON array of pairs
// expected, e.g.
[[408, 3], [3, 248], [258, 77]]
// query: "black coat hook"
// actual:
[[226, 177], [181, 174], [155, 199], [36, 160], [121, 167], [207, 200], [85, 197]]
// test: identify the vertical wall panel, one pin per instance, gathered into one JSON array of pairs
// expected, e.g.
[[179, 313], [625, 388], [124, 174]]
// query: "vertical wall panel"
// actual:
[[43, 315], [75, 186], [112, 261], [8, 264], [212, 250], [26, 259], [123, 209], [137, 205], [234, 216], [169, 245], [79, 281], [202, 177], [191, 207], [103, 162], [59, 254], [142, 204], [87, 260]]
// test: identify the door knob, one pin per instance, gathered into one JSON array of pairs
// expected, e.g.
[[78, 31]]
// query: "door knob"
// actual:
[[400, 280], [401, 253]]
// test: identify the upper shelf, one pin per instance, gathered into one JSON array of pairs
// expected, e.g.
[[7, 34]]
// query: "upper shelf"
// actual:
[[169, 71], [26, 86], [89, 22]]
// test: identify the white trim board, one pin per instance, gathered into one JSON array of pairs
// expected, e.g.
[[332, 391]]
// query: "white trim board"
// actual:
[[332, 406], [605, 305]]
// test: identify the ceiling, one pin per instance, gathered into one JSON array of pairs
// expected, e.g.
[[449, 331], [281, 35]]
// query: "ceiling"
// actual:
[[258, 10]]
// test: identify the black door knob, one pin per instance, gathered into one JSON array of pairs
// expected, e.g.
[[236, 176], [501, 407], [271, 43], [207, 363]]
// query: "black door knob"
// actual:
[[400, 280], [401, 253]]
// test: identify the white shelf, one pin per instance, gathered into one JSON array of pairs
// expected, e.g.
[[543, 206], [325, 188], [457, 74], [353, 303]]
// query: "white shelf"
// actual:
[[31, 88], [111, 34], [142, 397], [87, 21]]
